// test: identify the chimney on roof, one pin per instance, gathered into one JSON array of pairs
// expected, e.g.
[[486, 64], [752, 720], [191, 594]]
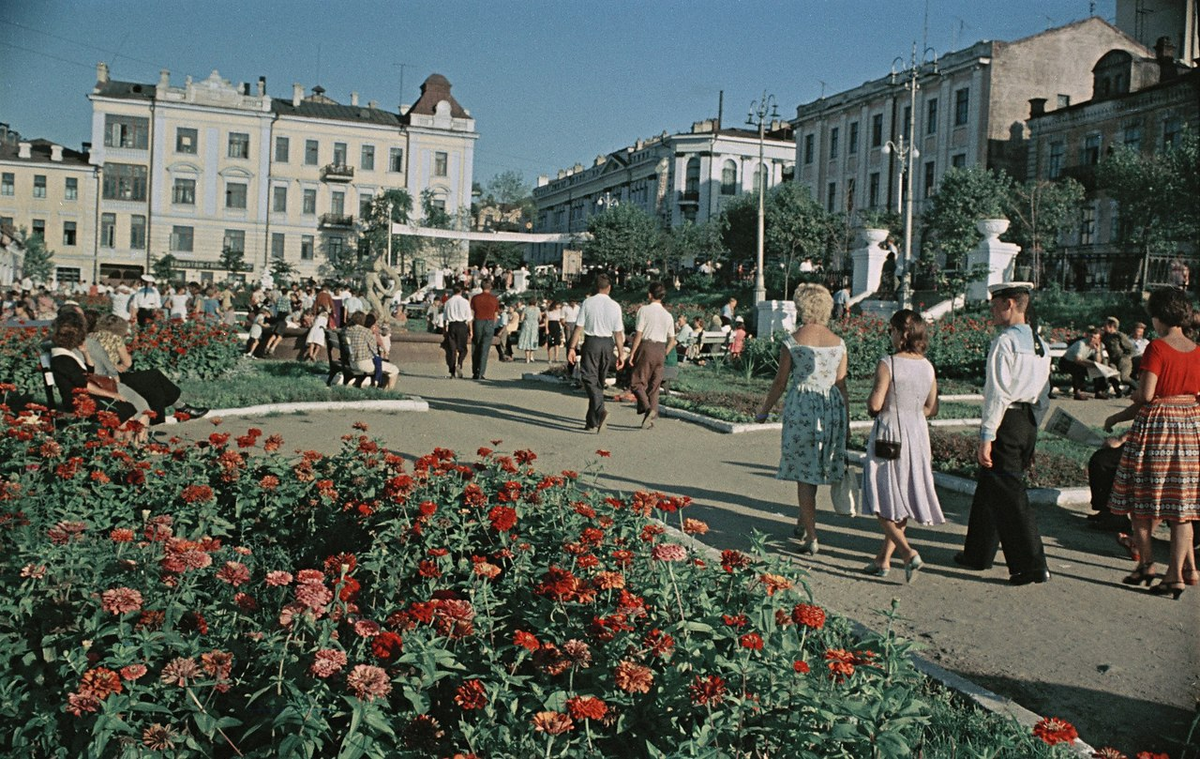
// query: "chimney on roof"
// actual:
[[245, 88], [297, 93], [1164, 51], [102, 73], [164, 79], [1037, 106], [353, 98], [372, 104], [24, 149], [86, 148], [56, 152], [262, 86]]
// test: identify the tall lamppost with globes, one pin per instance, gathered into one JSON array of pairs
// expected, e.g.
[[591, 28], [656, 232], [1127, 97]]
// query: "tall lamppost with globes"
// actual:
[[906, 150], [762, 112]]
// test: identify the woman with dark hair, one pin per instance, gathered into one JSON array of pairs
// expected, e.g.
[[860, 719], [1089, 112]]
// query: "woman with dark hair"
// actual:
[[1159, 474], [898, 484], [106, 345], [554, 331], [73, 369]]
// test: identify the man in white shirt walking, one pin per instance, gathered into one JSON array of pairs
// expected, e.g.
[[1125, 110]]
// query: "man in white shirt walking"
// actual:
[[600, 327], [1016, 395], [653, 338], [146, 302], [457, 313]]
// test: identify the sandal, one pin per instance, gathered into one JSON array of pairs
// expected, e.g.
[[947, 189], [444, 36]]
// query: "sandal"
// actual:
[[875, 570], [1143, 575]]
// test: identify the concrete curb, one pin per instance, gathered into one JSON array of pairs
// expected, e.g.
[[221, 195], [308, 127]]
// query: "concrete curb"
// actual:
[[400, 404], [736, 428], [1040, 496], [984, 698]]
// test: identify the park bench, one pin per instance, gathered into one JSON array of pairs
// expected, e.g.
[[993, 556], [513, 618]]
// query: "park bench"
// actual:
[[714, 343], [341, 370]]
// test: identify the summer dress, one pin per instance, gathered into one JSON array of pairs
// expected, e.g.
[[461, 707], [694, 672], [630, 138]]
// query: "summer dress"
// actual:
[[527, 339], [902, 488], [813, 448], [1159, 474]]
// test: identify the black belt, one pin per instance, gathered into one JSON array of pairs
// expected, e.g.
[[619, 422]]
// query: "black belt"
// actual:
[[1023, 405]]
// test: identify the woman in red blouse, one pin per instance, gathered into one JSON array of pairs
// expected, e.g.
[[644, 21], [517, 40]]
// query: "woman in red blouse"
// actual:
[[1159, 474]]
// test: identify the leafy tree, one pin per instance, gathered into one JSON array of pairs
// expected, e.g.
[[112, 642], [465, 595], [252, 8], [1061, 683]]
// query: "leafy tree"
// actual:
[[694, 242], [39, 260], [233, 260], [623, 236], [446, 252], [796, 227], [1040, 209], [1157, 195], [282, 271], [964, 196], [508, 187], [164, 267], [739, 227], [506, 255]]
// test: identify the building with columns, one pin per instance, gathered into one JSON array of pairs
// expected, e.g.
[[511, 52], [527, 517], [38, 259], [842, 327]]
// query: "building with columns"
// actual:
[[971, 109], [209, 166], [676, 178]]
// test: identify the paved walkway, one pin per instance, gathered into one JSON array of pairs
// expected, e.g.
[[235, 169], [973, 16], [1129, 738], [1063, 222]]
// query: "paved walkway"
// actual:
[[1119, 664]]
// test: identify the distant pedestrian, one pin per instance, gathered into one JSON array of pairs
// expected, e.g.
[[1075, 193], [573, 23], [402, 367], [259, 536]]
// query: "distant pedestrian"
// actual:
[[729, 313], [653, 338], [486, 309], [531, 322], [457, 313], [600, 328], [1016, 395]]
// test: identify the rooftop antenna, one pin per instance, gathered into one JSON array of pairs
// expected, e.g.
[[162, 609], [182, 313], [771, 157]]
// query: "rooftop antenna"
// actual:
[[402, 67], [1092, 8], [925, 28], [822, 81], [720, 108], [318, 63]]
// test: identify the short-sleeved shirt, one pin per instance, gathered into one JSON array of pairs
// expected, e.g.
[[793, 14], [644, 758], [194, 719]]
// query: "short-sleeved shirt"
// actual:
[[1178, 373], [655, 323], [1081, 350], [600, 316], [486, 306], [457, 309], [361, 343]]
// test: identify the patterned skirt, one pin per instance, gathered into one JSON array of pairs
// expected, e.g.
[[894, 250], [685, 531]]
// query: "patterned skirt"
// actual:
[[1159, 474]]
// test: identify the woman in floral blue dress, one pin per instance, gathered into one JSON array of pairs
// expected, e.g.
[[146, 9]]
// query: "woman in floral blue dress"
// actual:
[[812, 368]]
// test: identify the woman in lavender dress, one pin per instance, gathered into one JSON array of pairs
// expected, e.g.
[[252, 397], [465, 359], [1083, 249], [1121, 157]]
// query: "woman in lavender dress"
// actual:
[[900, 489]]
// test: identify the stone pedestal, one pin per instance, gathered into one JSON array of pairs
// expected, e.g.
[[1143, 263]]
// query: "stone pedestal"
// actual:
[[435, 279], [520, 281], [868, 262], [997, 256], [775, 314]]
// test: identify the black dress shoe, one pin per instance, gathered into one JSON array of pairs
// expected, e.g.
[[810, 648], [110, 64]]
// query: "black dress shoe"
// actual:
[[193, 412], [960, 559], [1025, 578]]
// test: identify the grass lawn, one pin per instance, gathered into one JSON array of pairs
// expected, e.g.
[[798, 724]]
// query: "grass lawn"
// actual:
[[255, 382]]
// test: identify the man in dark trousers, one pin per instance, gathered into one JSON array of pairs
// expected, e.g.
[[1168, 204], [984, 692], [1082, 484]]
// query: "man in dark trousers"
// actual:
[[486, 309], [1015, 398], [458, 330], [653, 339], [601, 329]]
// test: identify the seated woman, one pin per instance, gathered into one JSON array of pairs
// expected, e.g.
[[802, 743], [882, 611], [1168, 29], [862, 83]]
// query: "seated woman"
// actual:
[[112, 359], [72, 367]]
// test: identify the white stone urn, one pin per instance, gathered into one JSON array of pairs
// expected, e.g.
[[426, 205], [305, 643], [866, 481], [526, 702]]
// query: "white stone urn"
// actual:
[[872, 236], [868, 261], [991, 229], [994, 254]]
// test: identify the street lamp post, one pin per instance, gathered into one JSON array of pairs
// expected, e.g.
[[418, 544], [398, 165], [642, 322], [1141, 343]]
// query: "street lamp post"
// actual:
[[907, 152], [760, 111]]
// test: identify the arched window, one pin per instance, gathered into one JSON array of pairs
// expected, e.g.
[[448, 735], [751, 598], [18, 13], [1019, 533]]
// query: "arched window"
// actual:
[[692, 187], [759, 182], [729, 178]]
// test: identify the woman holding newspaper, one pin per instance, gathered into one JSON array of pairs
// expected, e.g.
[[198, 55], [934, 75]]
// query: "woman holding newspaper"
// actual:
[[1159, 474]]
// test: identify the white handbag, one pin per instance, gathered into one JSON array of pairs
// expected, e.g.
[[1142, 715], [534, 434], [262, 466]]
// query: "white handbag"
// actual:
[[846, 495]]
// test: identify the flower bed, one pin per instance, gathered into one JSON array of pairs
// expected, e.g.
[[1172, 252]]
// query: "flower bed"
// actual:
[[224, 597]]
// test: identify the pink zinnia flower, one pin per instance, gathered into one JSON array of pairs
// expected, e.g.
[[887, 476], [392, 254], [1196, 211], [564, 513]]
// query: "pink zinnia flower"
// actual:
[[368, 682], [180, 672], [120, 600], [277, 578], [234, 572], [366, 628], [669, 552], [328, 662], [310, 575], [133, 671], [314, 595]]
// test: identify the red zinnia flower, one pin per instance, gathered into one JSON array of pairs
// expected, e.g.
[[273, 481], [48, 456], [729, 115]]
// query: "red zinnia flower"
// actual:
[[526, 640], [552, 723], [1054, 730], [471, 695], [386, 644], [752, 641], [801, 667], [586, 707], [234, 572], [708, 690], [503, 518], [99, 683], [633, 678], [808, 615]]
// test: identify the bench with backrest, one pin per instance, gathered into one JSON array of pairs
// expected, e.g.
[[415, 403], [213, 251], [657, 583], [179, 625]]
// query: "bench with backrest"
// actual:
[[340, 366], [714, 343]]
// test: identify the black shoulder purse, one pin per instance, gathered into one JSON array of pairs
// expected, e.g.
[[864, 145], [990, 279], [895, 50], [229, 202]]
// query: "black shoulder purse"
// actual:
[[889, 450]]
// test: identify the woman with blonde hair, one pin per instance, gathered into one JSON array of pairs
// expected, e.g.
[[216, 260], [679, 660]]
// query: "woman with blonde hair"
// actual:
[[812, 369], [898, 473]]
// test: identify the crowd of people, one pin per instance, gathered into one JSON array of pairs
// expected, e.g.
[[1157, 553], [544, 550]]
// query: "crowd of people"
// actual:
[[1155, 476]]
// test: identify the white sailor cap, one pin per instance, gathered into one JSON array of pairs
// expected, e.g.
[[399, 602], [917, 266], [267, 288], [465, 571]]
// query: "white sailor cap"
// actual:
[[1009, 289]]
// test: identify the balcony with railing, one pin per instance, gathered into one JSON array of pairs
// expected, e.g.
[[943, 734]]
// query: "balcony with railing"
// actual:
[[337, 172], [690, 197], [336, 221]]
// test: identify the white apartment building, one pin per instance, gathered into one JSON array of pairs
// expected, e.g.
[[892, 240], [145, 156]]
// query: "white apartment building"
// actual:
[[48, 190], [212, 166], [677, 178], [971, 109]]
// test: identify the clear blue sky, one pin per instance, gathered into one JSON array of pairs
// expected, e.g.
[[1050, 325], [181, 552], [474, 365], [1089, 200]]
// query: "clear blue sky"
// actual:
[[549, 82]]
